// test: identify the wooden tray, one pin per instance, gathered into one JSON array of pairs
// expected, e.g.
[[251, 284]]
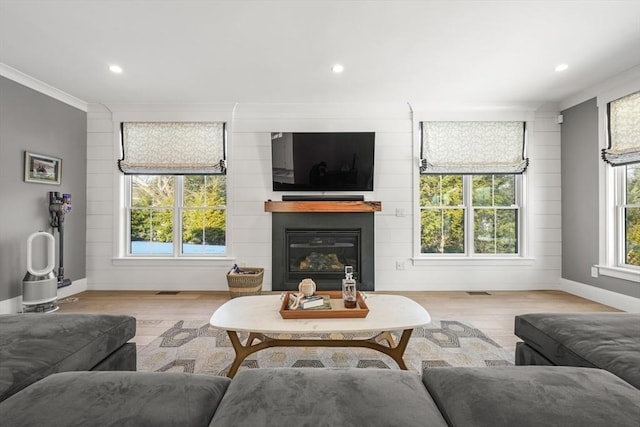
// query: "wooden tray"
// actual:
[[337, 308]]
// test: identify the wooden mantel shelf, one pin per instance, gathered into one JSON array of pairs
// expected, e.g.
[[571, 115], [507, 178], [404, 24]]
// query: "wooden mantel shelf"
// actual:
[[322, 206]]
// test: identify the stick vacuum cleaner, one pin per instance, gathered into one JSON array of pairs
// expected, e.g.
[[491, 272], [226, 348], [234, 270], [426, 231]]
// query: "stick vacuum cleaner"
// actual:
[[59, 206]]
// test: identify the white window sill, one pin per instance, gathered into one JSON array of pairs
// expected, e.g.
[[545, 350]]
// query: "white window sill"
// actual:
[[474, 262], [221, 262], [619, 272]]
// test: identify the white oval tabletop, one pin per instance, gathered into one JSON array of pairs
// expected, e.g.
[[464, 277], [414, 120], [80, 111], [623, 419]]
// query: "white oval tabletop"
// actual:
[[261, 314]]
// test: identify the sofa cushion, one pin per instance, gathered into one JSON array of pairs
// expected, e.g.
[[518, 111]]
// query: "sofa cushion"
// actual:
[[609, 341], [35, 345], [118, 398], [326, 397], [532, 396], [526, 355], [123, 359]]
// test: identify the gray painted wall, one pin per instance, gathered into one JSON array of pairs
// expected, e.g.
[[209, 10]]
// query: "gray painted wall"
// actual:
[[580, 156], [31, 121]]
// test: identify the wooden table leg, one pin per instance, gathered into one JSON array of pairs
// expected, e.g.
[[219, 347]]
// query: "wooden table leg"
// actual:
[[242, 351], [385, 336], [398, 351], [392, 350]]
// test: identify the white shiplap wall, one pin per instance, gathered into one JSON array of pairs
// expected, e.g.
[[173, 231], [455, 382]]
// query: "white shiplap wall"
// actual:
[[249, 185]]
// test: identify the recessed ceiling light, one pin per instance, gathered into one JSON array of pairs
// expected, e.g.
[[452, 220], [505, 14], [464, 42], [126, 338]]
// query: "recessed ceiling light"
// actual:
[[561, 67], [115, 69], [337, 68]]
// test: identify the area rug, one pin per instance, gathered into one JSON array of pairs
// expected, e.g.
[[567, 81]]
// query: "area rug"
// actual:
[[195, 347]]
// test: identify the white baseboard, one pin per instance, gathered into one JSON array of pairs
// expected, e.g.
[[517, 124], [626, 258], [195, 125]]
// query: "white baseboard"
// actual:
[[612, 299], [76, 287], [602, 296], [170, 287], [11, 306], [14, 305]]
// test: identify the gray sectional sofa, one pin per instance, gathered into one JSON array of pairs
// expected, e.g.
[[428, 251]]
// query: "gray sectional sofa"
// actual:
[[464, 397], [33, 346], [609, 341], [490, 396]]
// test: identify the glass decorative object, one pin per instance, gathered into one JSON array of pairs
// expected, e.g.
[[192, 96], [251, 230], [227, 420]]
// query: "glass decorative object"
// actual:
[[349, 288]]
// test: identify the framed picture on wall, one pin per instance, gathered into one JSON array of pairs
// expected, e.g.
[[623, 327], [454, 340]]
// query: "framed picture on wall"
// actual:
[[42, 169]]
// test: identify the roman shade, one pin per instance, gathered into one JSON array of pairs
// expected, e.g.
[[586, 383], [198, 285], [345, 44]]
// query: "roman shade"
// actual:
[[172, 148], [624, 131], [473, 148]]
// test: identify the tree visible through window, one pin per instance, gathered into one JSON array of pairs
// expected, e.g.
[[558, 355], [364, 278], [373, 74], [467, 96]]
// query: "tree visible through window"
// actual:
[[203, 215], [441, 214], [177, 214], [631, 214], [453, 207], [495, 217]]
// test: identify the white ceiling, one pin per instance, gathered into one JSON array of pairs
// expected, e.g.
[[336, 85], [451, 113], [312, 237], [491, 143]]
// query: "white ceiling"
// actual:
[[470, 54]]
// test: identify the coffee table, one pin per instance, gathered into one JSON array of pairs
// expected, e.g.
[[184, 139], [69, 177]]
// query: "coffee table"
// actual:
[[259, 316]]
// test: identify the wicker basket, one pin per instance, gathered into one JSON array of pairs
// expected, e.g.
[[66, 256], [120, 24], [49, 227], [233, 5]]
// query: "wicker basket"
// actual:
[[245, 284]]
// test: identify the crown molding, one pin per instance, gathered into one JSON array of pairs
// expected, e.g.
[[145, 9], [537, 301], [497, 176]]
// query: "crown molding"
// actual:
[[628, 79], [42, 87]]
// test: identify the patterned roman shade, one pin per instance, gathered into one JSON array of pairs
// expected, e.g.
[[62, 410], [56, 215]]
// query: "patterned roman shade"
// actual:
[[473, 148], [172, 148], [624, 131]]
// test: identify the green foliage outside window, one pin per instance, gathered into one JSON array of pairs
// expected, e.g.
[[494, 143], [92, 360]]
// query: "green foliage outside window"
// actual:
[[495, 221], [153, 198], [441, 218], [443, 209], [203, 220], [632, 216]]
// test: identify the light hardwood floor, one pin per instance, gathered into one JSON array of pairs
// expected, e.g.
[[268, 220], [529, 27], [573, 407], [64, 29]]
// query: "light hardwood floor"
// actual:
[[493, 313]]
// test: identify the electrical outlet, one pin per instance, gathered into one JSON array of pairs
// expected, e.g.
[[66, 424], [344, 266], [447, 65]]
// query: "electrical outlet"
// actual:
[[594, 271], [399, 212], [399, 265]]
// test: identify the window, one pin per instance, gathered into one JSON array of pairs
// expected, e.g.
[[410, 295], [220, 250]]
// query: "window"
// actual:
[[495, 214], [623, 153], [628, 214], [442, 214], [175, 188], [620, 240], [182, 215], [469, 214], [471, 188]]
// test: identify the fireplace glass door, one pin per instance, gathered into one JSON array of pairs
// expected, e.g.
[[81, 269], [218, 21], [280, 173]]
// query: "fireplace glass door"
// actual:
[[322, 254]]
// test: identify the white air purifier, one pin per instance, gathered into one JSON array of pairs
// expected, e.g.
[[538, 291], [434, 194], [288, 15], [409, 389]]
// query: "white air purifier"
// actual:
[[40, 287]]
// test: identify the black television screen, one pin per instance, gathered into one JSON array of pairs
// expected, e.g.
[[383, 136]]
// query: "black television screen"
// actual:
[[322, 161]]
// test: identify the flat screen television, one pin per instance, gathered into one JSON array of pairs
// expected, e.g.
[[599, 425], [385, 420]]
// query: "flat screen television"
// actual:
[[322, 161]]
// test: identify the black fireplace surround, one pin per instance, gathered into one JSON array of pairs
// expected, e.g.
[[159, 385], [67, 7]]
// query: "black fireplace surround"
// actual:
[[318, 245]]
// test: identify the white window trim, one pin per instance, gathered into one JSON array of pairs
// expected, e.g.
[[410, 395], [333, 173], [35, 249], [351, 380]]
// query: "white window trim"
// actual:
[[463, 260], [186, 262], [120, 241], [608, 235], [469, 213], [177, 229]]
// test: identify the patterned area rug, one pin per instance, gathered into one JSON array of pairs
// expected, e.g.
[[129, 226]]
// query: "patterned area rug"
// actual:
[[196, 347]]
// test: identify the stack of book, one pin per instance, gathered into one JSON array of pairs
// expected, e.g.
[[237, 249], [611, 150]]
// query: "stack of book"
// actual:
[[314, 302]]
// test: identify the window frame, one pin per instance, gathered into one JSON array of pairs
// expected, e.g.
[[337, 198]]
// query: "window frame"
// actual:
[[618, 243], [177, 210], [469, 224]]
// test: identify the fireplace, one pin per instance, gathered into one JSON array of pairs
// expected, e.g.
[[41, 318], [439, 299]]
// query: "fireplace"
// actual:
[[318, 245], [321, 253]]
